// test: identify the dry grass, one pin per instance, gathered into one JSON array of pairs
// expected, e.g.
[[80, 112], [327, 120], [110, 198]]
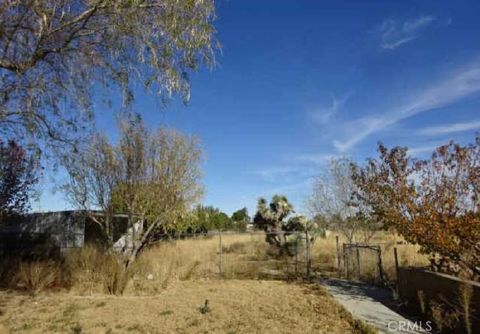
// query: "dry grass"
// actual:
[[171, 281], [93, 270], [37, 276], [244, 256], [450, 315], [236, 306], [324, 255]]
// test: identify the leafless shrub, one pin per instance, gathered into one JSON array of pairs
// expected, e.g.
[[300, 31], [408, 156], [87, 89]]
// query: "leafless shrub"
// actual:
[[465, 299], [37, 276], [114, 276], [93, 268]]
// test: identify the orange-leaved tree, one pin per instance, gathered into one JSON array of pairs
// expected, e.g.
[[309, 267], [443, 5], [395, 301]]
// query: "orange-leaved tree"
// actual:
[[434, 203]]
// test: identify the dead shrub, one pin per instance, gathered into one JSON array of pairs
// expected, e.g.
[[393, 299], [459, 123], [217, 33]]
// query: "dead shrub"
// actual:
[[86, 266], [37, 276], [465, 301], [443, 316], [114, 275], [168, 275], [94, 269]]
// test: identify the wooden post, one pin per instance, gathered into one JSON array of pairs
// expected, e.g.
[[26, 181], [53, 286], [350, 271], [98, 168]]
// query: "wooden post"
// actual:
[[308, 255], [296, 255], [220, 253], [346, 260], [380, 267], [339, 262], [395, 254], [252, 243], [397, 281], [358, 262]]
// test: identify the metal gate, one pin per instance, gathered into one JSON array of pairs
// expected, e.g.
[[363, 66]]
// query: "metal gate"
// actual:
[[363, 262]]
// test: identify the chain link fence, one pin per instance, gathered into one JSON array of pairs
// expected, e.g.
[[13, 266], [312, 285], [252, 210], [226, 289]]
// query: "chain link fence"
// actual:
[[246, 255], [240, 255]]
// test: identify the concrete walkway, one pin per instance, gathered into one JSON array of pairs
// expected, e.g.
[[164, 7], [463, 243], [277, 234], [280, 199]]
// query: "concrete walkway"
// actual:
[[369, 304]]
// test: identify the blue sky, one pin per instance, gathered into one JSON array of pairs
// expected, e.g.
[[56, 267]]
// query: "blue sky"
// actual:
[[300, 82]]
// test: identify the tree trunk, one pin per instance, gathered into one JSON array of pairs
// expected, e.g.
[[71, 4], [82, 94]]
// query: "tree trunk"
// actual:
[[137, 246]]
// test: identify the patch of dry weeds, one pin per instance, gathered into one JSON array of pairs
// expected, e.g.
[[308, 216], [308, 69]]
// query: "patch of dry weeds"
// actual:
[[235, 306]]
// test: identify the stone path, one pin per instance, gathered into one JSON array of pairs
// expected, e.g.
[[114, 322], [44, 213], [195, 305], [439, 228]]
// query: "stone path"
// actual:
[[369, 304]]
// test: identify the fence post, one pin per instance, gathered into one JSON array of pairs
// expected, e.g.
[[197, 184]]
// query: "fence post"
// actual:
[[395, 254], [252, 243], [220, 253], [397, 280], [346, 260], [358, 262], [296, 255], [339, 262], [308, 255], [380, 267]]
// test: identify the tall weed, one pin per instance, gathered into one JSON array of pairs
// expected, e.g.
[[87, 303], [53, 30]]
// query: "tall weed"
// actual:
[[37, 276]]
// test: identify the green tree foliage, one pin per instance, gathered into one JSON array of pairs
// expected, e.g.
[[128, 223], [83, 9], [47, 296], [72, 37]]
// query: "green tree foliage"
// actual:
[[208, 218], [240, 220], [221, 221]]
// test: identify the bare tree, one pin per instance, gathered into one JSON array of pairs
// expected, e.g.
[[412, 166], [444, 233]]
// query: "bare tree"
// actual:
[[92, 183], [330, 198], [152, 177], [54, 52], [160, 184], [332, 201]]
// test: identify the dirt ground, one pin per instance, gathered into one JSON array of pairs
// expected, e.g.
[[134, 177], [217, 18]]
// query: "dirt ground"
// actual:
[[235, 306]]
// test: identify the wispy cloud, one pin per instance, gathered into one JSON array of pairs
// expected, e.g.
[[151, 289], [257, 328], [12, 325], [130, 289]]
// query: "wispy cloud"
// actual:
[[322, 115], [394, 33], [316, 159], [450, 128], [463, 84]]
